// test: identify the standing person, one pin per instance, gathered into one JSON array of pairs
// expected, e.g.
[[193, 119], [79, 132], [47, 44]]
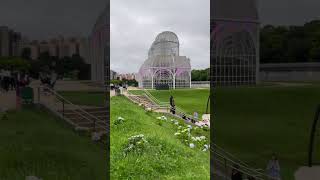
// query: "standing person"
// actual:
[[195, 116], [54, 77], [236, 174], [18, 91], [172, 105], [273, 168], [6, 79]]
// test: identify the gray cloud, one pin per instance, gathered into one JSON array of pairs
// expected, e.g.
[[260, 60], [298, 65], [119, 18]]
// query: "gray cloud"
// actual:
[[135, 24], [40, 19]]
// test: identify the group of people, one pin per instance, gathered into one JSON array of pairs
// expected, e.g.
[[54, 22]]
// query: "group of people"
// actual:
[[11, 80], [272, 170], [193, 119]]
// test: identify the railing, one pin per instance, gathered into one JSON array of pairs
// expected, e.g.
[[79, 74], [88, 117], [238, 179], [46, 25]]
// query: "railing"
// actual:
[[314, 130], [224, 162], [166, 105], [63, 104]]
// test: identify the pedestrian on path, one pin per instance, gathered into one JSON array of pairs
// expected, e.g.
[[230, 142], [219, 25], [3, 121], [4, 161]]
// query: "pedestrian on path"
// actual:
[[273, 168], [236, 174]]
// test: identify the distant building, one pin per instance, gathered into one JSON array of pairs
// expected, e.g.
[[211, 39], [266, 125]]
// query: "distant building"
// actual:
[[9, 42], [59, 47], [129, 76], [290, 72], [113, 75], [99, 48]]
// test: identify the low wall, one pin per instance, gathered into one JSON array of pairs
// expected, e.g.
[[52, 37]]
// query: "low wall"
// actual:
[[289, 76]]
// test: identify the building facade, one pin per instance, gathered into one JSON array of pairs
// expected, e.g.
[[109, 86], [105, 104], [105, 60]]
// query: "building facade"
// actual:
[[9, 42], [165, 66], [234, 42], [128, 76], [99, 48], [59, 47], [113, 75]]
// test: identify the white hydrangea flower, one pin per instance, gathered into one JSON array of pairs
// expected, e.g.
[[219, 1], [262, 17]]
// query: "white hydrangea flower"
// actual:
[[164, 118], [191, 145]]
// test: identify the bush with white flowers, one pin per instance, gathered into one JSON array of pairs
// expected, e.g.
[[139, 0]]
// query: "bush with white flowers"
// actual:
[[136, 144], [163, 118], [118, 121], [194, 142], [184, 134]]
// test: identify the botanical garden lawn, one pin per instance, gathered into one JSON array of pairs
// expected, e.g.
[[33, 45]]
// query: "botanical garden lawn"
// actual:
[[85, 98], [166, 158], [252, 123], [190, 100], [33, 142]]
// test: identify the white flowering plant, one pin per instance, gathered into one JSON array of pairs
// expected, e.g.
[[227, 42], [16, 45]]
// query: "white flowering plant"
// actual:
[[118, 121], [161, 119], [200, 141], [136, 144], [184, 134]]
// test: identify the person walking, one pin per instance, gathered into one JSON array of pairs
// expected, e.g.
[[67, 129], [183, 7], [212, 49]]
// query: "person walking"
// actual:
[[172, 105], [196, 116], [236, 174], [273, 168]]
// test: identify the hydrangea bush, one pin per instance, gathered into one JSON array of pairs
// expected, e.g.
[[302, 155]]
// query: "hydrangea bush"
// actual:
[[194, 142], [136, 144], [118, 121]]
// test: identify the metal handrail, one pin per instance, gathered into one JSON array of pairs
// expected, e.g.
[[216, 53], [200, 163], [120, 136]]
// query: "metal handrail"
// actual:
[[245, 168], [95, 121]]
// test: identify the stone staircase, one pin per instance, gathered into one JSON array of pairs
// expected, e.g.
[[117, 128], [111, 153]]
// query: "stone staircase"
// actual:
[[141, 99], [80, 117], [84, 121]]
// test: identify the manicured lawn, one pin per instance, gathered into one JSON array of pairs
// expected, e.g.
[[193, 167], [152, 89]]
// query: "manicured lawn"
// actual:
[[252, 123], [190, 100], [85, 98], [166, 156], [35, 143]]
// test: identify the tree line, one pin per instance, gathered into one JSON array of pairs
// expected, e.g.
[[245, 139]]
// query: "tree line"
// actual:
[[67, 67], [290, 44]]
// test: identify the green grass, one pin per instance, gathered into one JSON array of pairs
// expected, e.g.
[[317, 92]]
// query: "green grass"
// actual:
[[166, 157], [85, 98], [35, 143], [190, 100], [252, 123]]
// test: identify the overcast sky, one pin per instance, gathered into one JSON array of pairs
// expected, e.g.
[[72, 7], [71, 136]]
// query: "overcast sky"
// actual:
[[42, 19], [134, 26]]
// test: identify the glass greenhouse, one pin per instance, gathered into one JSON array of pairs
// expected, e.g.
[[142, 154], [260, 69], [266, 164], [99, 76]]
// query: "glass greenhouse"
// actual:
[[164, 66], [234, 43]]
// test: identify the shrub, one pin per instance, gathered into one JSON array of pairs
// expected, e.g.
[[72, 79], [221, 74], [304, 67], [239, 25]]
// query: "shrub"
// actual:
[[118, 121], [136, 144]]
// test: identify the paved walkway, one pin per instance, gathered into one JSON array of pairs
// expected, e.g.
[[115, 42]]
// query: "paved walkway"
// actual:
[[7, 100], [71, 86], [307, 173]]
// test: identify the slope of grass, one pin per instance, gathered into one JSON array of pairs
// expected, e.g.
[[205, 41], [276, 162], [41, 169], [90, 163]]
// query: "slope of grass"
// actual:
[[190, 100], [35, 143], [85, 98], [166, 158], [252, 123]]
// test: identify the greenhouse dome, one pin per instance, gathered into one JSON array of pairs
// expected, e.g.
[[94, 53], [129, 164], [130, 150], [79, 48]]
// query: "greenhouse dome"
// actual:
[[164, 66]]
